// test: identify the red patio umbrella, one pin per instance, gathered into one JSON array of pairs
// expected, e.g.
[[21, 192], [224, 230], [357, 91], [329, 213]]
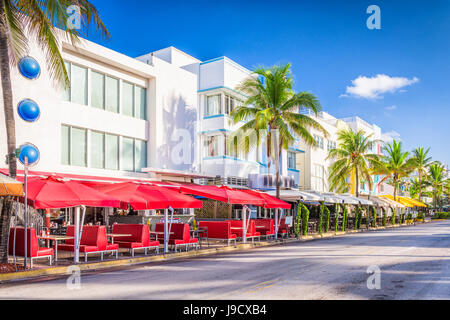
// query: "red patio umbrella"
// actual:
[[144, 196], [223, 194], [270, 202], [54, 192]]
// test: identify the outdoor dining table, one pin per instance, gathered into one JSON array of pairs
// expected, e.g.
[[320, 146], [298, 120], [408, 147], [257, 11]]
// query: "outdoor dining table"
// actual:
[[116, 235], [156, 233], [55, 238]]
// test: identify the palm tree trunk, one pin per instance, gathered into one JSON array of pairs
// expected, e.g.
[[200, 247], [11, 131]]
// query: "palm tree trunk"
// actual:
[[278, 168], [395, 189], [420, 185], [6, 210], [356, 182]]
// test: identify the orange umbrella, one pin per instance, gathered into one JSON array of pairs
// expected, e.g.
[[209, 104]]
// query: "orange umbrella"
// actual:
[[10, 187]]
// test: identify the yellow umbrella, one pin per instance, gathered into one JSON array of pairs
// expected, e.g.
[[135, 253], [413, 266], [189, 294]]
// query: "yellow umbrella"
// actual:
[[10, 187], [414, 202], [399, 200]]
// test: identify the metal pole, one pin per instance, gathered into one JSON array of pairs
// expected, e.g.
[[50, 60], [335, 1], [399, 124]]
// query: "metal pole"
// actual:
[[244, 224], [76, 256], [276, 224], [25, 220], [166, 240]]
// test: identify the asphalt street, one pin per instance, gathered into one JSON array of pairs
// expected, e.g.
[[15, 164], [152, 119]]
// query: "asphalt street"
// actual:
[[414, 263]]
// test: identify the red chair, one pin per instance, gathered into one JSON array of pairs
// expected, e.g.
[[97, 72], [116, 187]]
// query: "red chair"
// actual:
[[218, 230], [283, 228], [139, 237], [251, 231], [180, 237], [33, 250], [93, 240], [266, 227]]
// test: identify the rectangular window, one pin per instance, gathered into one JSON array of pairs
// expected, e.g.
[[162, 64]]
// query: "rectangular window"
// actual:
[[97, 150], [97, 90], [79, 84], [112, 94], [66, 94], [212, 146], [112, 152], [140, 103], [65, 145], [127, 158], [213, 105], [127, 98], [231, 147], [291, 157], [78, 147], [140, 149]]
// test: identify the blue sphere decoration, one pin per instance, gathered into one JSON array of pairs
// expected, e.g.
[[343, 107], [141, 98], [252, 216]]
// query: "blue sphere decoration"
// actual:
[[29, 67], [28, 110], [31, 152]]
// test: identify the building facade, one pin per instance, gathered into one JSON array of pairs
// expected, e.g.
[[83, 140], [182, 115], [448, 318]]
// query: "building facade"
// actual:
[[157, 115]]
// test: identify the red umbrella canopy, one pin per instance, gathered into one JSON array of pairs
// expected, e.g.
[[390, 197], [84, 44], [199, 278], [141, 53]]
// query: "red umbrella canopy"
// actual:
[[269, 201], [144, 196], [54, 192], [224, 194]]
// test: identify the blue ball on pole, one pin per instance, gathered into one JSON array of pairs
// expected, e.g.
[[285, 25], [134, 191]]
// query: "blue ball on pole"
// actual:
[[28, 110], [29, 151], [29, 67]]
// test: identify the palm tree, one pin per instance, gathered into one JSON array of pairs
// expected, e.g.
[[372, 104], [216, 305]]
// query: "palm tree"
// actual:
[[415, 187], [438, 181], [351, 157], [272, 108], [395, 165], [421, 163], [39, 20]]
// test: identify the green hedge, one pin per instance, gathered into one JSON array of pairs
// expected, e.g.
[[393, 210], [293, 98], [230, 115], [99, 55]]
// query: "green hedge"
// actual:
[[441, 215]]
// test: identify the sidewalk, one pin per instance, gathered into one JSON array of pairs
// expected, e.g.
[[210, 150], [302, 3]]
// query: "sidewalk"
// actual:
[[43, 270]]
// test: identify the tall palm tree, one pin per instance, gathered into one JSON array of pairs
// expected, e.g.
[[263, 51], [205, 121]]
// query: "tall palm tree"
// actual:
[[21, 21], [421, 162], [272, 108], [394, 165], [438, 180], [351, 157]]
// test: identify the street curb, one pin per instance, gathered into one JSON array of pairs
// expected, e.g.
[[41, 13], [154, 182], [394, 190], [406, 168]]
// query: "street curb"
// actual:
[[68, 270]]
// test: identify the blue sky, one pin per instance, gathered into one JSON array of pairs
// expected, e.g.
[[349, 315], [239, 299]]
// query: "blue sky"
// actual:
[[328, 45]]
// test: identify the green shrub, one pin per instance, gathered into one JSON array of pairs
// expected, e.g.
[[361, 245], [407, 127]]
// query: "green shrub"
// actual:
[[322, 206], [394, 213], [384, 216], [327, 219], [441, 215], [297, 220], [336, 212], [305, 219], [344, 218], [374, 217]]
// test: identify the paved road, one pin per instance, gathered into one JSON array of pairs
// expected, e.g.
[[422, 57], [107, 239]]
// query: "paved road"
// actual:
[[414, 264]]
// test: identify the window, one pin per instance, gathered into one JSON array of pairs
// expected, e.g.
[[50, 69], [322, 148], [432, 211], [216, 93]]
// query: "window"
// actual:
[[103, 150], [112, 152], [97, 150], [104, 92], [212, 146], [65, 145], [231, 147], [112, 94], [319, 141], [317, 178], [213, 105], [97, 90], [127, 157], [231, 103], [140, 151], [127, 99], [66, 94], [331, 145], [78, 86], [291, 158], [140, 102]]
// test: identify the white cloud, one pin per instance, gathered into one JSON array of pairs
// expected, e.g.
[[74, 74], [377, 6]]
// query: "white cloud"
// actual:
[[374, 87], [387, 137], [391, 108]]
